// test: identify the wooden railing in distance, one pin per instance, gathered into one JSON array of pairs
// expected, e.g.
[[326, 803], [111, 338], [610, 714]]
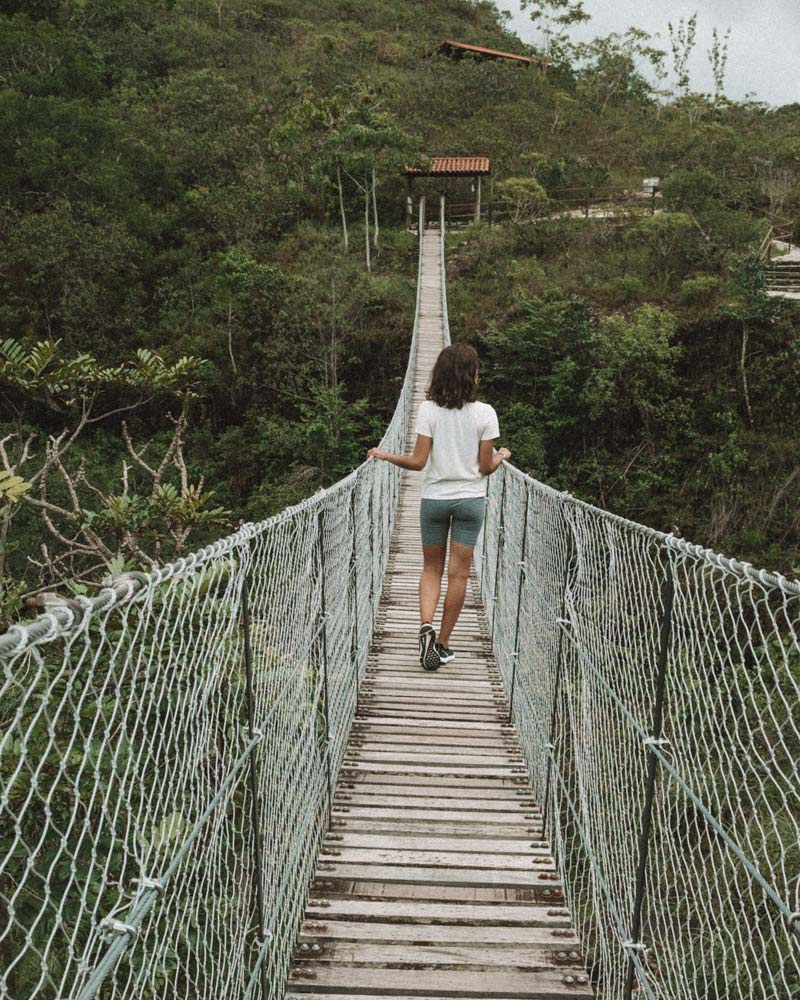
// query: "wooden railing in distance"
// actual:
[[781, 231]]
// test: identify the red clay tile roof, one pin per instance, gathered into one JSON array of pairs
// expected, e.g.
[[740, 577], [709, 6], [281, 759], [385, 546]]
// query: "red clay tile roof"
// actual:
[[453, 166], [449, 44]]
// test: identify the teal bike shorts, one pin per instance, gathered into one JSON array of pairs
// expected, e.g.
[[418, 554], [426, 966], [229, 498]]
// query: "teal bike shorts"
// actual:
[[461, 518]]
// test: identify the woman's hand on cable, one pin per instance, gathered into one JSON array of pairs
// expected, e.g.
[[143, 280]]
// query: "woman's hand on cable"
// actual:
[[505, 453], [376, 453]]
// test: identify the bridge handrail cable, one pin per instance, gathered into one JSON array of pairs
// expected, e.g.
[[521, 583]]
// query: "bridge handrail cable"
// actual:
[[656, 688], [651, 677], [169, 749]]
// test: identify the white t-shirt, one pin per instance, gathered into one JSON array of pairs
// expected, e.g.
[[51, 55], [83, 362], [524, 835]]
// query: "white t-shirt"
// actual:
[[452, 472]]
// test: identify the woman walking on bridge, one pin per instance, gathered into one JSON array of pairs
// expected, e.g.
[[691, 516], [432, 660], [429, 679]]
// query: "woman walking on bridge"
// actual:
[[455, 440]]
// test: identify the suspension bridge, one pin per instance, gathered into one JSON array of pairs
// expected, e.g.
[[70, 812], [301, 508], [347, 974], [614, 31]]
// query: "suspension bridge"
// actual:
[[228, 777]]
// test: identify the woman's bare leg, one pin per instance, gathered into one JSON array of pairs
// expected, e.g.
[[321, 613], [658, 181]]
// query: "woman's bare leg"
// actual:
[[457, 578], [430, 583]]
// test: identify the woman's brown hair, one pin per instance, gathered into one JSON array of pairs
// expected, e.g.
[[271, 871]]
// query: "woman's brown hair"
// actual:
[[453, 378]]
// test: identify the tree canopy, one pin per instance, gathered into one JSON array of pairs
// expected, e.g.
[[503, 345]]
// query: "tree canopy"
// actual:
[[217, 183]]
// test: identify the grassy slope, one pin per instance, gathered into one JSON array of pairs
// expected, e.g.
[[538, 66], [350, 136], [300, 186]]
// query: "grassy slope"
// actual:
[[712, 472], [709, 470]]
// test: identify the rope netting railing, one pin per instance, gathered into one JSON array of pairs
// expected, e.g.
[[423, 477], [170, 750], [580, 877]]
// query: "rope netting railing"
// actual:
[[655, 686], [656, 689], [168, 751]]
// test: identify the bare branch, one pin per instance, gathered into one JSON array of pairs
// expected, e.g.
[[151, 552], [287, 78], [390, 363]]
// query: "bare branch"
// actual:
[[43, 504], [3, 453], [175, 445], [120, 409], [773, 507], [24, 455], [69, 482], [70, 544], [135, 455], [180, 461], [51, 452]]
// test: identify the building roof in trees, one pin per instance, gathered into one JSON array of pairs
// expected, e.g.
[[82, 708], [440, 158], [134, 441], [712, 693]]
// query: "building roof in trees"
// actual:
[[458, 50], [453, 166]]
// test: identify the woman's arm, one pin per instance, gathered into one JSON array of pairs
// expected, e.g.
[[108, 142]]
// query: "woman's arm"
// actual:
[[416, 461], [489, 460]]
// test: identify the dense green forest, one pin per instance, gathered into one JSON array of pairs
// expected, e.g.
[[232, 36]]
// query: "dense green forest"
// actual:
[[207, 286]]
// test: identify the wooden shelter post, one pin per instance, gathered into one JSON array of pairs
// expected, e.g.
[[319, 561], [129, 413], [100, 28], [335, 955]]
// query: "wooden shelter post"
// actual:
[[476, 167]]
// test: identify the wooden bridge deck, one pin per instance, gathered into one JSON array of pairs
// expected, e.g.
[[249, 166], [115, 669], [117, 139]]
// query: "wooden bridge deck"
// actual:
[[435, 880]]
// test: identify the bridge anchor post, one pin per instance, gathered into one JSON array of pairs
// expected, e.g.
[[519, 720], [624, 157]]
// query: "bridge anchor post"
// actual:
[[652, 744], [522, 571], [255, 804], [561, 622], [500, 533], [324, 636], [354, 649]]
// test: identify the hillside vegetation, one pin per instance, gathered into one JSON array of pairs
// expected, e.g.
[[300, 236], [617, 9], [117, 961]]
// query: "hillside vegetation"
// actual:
[[173, 179]]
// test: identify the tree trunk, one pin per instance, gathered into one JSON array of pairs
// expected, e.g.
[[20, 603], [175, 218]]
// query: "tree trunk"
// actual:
[[743, 369], [230, 335], [366, 222], [341, 207], [7, 513], [334, 341], [375, 208]]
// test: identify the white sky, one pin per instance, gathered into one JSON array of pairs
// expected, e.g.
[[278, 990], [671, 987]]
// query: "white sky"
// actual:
[[764, 43]]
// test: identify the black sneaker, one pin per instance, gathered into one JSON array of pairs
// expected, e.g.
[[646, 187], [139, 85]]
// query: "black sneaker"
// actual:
[[428, 657], [445, 654]]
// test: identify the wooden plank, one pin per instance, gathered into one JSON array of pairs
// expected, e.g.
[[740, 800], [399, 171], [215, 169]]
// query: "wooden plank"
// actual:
[[471, 706], [379, 728], [442, 787], [399, 638], [429, 689], [430, 875], [369, 767], [544, 985], [462, 706], [434, 880], [511, 806], [451, 816], [427, 693], [393, 739], [424, 751], [434, 798], [368, 745], [338, 995], [474, 704], [427, 708], [405, 658], [531, 956], [477, 933], [530, 830], [390, 739], [401, 891], [405, 911], [423, 756], [521, 861], [416, 681], [389, 709], [484, 845], [473, 725]]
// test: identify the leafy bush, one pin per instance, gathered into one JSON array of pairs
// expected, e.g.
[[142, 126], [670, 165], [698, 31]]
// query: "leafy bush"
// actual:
[[524, 196], [701, 290]]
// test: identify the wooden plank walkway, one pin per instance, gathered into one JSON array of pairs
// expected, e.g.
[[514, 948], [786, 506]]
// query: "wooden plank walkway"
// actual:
[[435, 880]]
